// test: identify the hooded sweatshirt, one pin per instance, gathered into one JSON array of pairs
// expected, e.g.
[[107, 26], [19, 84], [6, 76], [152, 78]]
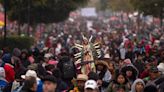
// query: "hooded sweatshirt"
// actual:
[[8, 67], [133, 89]]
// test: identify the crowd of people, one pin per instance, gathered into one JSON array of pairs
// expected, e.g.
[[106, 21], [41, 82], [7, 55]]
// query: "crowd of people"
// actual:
[[132, 59]]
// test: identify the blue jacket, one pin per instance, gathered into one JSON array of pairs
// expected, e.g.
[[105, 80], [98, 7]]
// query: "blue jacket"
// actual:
[[2, 84], [40, 86]]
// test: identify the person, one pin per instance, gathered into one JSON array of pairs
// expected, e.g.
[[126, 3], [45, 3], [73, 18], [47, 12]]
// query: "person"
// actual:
[[67, 68], [32, 73], [93, 76], [91, 86], [9, 67], [1, 53], [3, 81], [161, 58], [153, 75], [49, 68], [121, 88], [30, 85], [24, 58], [161, 67], [130, 54], [61, 85], [150, 88], [41, 68], [153, 61], [120, 80], [155, 79], [131, 72], [139, 48], [115, 52], [145, 73], [46, 58], [49, 84], [18, 68], [112, 68], [16, 52], [1, 63], [122, 51], [139, 63], [81, 79], [104, 74], [138, 86], [159, 83]]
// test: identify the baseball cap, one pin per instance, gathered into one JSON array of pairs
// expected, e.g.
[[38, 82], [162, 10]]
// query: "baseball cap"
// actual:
[[91, 84]]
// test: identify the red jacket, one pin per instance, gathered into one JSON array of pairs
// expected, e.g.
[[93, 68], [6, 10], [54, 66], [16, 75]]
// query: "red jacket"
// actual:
[[144, 74], [10, 73]]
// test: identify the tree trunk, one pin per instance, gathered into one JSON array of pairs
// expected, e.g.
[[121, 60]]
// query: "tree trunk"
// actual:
[[5, 22], [138, 21], [161, 17], [19, 29]]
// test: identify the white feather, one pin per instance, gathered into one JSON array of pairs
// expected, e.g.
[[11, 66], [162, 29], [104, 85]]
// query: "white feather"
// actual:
[[90, 39]]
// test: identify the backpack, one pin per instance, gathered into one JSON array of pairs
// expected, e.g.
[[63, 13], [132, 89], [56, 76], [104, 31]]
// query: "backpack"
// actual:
[[68, 70]]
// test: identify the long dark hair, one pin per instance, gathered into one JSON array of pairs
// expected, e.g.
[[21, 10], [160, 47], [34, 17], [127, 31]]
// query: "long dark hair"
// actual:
[[24, 52], [19, 68], [103, 71], [134, 72], [28, 84], [116, 77]]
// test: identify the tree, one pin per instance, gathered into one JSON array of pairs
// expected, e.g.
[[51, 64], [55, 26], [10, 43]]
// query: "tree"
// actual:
[[149, 7], [41, 11], [103, 4], [121, 5]]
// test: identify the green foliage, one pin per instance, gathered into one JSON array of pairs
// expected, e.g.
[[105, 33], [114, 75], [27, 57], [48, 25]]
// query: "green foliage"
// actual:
[[41, 11], [121, 5], [103, 4], [149, 7], [17, 42]]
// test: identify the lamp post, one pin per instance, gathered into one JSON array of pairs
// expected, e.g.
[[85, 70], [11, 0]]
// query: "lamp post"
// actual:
[[162, 17], [28, 18]]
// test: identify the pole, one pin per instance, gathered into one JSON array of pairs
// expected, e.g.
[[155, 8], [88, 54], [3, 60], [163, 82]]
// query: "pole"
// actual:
[[138, 21], [5, 23], [19, 17], [28, 20], [162, 17]]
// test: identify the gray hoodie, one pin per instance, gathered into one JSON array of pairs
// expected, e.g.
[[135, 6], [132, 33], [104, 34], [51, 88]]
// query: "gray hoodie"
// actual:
[[133, 89]]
